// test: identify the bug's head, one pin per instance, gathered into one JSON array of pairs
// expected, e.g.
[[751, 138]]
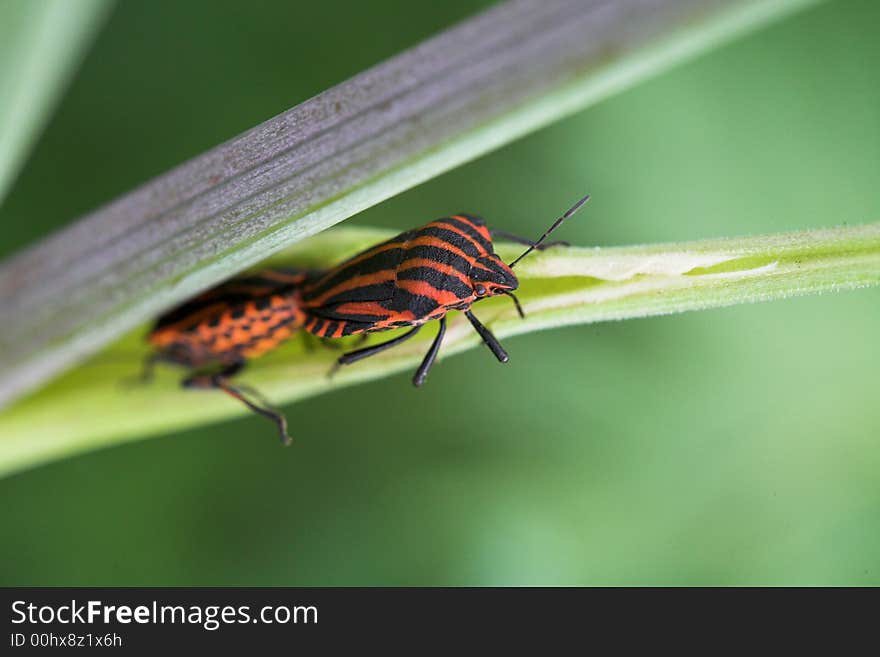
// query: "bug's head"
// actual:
[[490, 276]]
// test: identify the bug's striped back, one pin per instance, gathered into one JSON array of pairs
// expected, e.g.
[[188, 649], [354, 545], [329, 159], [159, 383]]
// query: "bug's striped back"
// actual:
[[408, 280]]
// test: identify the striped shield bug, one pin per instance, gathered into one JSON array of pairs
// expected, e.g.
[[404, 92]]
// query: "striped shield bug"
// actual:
[[216, 333], [414, 278]]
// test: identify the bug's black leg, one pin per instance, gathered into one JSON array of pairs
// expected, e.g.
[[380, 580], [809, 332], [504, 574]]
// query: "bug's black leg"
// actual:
[[147, 372], [219, 381], [510, 237], [366, 352], [431, 356], [278, 418], [254, 394], [519, 309], [490, 340], [202, 380]]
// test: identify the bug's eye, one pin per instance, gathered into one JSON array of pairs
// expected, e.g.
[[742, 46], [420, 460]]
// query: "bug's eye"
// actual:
[[480, 290]]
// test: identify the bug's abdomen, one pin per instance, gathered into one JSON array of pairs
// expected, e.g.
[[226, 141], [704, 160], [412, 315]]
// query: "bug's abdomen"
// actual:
[[237, 320], [230, 333]]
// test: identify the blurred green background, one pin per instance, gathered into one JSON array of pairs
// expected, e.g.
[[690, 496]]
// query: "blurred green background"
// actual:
[[737, 446]]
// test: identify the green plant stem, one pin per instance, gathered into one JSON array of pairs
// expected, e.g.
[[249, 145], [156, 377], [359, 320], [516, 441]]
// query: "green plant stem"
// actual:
[[91, 407], [500, 75]]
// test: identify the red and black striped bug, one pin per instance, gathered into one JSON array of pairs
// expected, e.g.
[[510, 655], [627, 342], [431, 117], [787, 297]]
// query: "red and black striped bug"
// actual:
[[414, 278], [216, 333]]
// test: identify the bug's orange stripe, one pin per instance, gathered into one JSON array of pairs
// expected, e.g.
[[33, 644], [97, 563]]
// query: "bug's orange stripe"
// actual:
[[483, 267], [267, 343], [482, 229], [442, 297], [440, 223], [428, 240], [374, 278], [363, 308]]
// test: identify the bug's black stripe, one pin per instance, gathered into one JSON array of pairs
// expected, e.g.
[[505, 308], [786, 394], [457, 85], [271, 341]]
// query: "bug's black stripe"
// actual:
[[476, 220], [330, 328], [353, 327], [316, 329], [464, 226], [383, 260], [499, 267], [350, 328], [419, 305], [437, 280], [491, 270], [495, 266], [378, 292], [452, 238], [331, 312], [439, 254]]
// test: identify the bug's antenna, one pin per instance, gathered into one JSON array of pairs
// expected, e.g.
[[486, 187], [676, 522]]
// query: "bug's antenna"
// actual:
[[574, 208]]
